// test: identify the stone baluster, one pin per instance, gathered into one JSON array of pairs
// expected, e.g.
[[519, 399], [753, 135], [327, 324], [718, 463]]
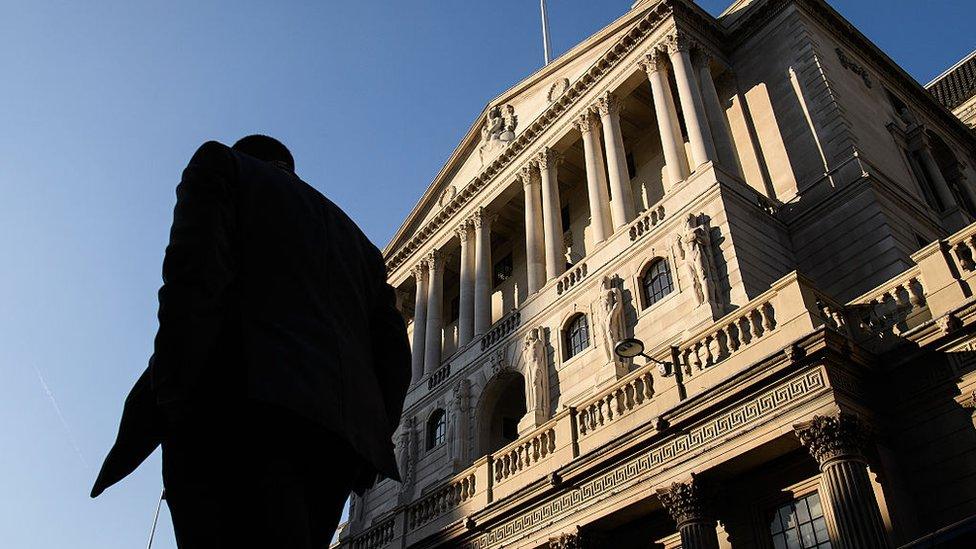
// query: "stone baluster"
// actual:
[[838, 443], [535, 267], [667, 118], [552, 224], [596, 182], [621, 194], [435, 312], [688, 505], [702, 146], [482, 271], [419, 322], [466, 296], [717, 120]]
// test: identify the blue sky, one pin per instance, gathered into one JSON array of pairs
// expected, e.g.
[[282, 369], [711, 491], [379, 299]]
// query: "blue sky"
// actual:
[[101, 105]]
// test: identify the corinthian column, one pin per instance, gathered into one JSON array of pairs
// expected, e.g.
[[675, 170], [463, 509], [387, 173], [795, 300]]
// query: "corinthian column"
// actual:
[[535, 268], [482, 271], [687, 504], [419, 322], [838, 443], [596, 179], [667, 118], [435, 312], [702, 147], [622, 195], [466, 297], [552, 213], [717, 120]]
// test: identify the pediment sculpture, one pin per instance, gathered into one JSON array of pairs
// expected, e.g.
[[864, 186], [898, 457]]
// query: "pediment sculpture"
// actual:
[[497, 132]]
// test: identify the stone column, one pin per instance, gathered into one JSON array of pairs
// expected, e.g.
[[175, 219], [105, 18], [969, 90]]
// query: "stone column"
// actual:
[[717, 121], [621, 193], [435, 312], [466, 297], [838, 443], [419, 322], [667, 118], [702, 147], [552, 213], [482, 271], [935, 176], [596, 182], [535, 268], [687, 504]]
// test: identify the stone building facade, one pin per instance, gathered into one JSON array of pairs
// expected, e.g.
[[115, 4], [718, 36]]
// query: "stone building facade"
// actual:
[[779, 213]]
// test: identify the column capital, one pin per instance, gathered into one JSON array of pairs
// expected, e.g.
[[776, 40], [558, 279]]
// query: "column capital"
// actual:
[[529, 174], [463, 231], [828, 438], [608, 103], [686, 502], [482, 218], [652, 61], [420, 269], [548, 158], [678, 42], [586, 121], [566, 541], [434, 260]]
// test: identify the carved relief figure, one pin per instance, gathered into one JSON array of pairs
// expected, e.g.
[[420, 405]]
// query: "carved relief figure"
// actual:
[[458, 424], [498, 131], [405, 457], [612, 310], [694, 250], [536, 374]]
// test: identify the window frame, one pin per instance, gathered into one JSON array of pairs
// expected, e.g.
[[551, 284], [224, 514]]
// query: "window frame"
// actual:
[[569, 351], [646, 301], [436, 429]]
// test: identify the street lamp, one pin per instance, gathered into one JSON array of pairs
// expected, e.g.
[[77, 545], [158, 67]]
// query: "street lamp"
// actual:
[[632, 347]]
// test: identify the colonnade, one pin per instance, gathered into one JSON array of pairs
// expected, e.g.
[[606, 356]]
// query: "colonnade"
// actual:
[[609, 192]]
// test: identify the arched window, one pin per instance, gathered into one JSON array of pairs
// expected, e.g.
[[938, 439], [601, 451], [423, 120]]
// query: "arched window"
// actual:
[[436, 429], [656, 282], [576, 335]]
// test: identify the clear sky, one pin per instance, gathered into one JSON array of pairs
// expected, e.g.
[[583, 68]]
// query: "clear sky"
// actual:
[[101, 105]]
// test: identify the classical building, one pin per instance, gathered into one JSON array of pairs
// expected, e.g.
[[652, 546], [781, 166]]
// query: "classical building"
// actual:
[[779, 213]]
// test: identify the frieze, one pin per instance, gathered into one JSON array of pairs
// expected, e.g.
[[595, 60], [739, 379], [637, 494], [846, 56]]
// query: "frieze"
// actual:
[[631, 471]]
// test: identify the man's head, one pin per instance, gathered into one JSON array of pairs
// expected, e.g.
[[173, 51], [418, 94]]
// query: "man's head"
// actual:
[[266, 148]]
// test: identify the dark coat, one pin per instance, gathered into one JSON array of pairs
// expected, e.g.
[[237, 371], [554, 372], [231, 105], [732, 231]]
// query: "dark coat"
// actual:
[[271, 294]]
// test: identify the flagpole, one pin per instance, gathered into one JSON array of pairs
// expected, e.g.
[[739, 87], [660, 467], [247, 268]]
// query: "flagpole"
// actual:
[[152, 532], [546, 46]]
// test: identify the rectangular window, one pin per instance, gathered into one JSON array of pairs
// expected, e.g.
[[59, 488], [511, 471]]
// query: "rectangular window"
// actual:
[[800, 524], [565, 217], [455, 309], [503, 269]]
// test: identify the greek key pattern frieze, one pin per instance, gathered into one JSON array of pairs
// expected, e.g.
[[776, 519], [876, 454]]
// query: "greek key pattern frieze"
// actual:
[[630, 472]]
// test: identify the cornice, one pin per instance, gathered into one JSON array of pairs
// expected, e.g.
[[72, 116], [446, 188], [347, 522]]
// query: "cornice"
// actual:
[[528, 138]]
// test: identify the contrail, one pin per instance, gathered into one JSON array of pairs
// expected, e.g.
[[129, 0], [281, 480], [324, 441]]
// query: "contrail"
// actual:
[[64, 422]]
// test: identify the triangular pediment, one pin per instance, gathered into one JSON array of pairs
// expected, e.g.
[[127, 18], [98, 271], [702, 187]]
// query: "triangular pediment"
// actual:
[[505, 117]]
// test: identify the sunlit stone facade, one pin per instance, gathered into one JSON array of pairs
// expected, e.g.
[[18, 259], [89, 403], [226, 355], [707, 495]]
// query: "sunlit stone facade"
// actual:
[[779, 213]]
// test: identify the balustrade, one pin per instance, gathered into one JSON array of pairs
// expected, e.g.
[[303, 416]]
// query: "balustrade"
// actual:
[[568, 280], [731, 333], [440, 501], [377, 536], [523, 453], [647, 221], [439, 376], [885, 310], [501, 329], [624, 397]]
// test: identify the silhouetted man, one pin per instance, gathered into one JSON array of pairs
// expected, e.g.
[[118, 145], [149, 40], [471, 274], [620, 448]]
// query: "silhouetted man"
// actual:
[[280, 364]]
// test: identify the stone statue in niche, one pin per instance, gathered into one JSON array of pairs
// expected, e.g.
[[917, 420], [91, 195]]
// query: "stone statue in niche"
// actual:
[[458, 427], [536, 371], [498, 131], [694, 245], [612, 323]]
